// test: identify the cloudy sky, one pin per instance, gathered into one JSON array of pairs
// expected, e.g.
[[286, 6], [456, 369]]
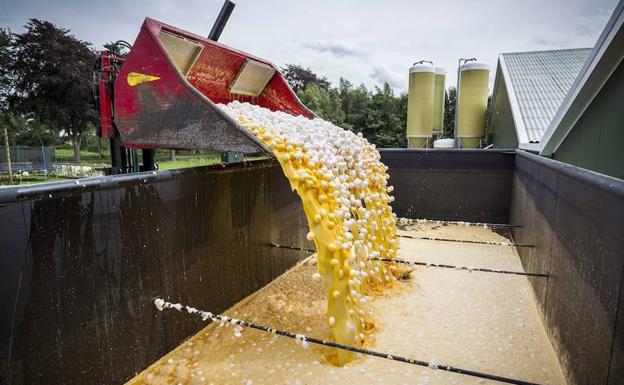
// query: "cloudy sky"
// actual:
[[365, 41]]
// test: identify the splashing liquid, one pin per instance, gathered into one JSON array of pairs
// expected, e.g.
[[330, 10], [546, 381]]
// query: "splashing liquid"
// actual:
[[343, 187]]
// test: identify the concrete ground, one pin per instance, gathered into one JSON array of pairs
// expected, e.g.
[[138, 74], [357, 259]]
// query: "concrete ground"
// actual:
[[474, 320]]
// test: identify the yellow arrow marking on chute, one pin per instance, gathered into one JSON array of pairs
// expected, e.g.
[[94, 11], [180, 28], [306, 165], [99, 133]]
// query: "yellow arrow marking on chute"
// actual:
[[135, 78]]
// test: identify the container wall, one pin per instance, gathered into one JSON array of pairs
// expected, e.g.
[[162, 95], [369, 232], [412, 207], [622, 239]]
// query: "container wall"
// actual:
[[466, 185], [575, 219], [82, 262]]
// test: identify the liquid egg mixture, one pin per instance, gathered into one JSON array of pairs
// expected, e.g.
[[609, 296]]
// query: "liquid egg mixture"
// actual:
[[344, 190], [344, 294]]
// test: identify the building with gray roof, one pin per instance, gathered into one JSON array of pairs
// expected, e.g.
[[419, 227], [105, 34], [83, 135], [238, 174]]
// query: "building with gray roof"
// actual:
[[529, 88]]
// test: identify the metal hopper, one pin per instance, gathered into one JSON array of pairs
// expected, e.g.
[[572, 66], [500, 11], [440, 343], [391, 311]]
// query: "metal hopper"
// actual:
[[163, 94], [167, 90]]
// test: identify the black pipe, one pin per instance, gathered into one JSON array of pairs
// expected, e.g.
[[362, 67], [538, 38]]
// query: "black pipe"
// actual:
[[405, 262], [134, 160], [222, 19], [124, 160], [460, 223], [148, 159], [426, 264], [291, 248], [116, 151], [492, 243], [432, 365]]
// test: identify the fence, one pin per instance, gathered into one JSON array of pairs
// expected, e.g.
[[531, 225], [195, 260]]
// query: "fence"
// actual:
[[27, 159]]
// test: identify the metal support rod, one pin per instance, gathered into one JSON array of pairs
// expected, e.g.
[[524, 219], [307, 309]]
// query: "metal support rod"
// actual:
[[222, 19], [467, 223], [148, 159], [162, 304], [117, 155], [427, 264], [491, 243], [291, 248], [219, 25], [8, 154], [134, 160], [470, 269], [124, 159]]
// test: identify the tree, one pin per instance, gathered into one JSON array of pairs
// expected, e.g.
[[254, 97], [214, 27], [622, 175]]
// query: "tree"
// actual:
[[6, 59], [32, 132], [449, 112], [52, 79], [326, 104], [386, 118], [299, 78], [354, 105], [380, 115], [118, 48]]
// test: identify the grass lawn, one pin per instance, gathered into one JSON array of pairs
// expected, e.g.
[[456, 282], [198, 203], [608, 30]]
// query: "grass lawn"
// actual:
[[186, 163], [31, 179], [183, 159], [87, 158], [67, 155]]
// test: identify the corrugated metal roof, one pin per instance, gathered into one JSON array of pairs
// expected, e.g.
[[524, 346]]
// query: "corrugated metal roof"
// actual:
[[540, 81]]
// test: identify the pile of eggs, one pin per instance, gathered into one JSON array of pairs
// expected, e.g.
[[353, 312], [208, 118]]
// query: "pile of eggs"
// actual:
[[346, 198]]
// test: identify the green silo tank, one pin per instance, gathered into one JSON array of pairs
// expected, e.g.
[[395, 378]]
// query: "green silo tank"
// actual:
[[438, 100], [474, 78], [420, 105]]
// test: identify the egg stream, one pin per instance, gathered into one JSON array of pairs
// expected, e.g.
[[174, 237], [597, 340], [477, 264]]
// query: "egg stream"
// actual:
[[343, 187]]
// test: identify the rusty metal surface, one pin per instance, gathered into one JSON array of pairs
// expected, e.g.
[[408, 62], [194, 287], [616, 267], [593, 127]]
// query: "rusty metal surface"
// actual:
[[575, 219], [81, 263], [468, 185]]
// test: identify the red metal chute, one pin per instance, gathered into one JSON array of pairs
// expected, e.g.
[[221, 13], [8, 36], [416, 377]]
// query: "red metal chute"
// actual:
[[166, 91]]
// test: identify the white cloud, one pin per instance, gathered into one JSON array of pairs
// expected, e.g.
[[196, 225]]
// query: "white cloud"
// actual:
[[336, 47], [347, 38], [384, 75]]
